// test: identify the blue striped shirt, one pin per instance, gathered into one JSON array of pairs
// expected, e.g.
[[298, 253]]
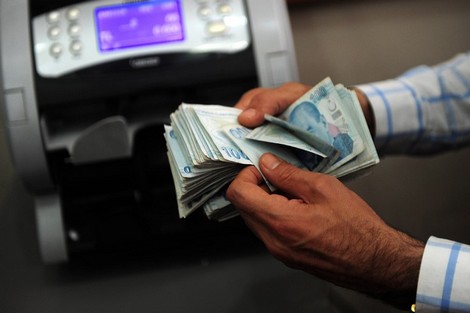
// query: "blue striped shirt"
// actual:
[[427, 110]]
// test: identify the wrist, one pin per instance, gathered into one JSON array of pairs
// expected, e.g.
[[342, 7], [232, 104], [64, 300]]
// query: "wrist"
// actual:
[[401, 263], [366, 109]]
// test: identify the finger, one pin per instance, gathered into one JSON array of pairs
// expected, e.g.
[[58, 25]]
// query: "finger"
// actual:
[[249, 175], [250, 195], [249, 181], [296, 182], [245, 188], [270, 101], [245, 100], [250, 117]]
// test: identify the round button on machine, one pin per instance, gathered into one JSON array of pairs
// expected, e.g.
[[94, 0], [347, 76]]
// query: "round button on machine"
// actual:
[[74, 29], [73, 14], [204, 11], [53, 32], [224, 9], [53, 17], [216, 27], [56, 50], [76, 47]]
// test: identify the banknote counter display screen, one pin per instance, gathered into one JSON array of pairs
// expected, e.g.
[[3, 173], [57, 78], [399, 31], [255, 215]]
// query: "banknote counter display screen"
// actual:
[[139, 24]]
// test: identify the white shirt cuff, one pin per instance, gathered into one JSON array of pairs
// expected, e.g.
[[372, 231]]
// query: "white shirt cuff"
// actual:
[[444, 277]]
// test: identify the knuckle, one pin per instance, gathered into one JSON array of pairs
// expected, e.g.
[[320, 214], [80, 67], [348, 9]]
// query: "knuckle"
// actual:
[[232, 192], [295, 86], [287, 174], [263, 98], [323, 182], [253, 92], [286, 171], [287, 231], [279, 251], [284, 249], [266, 101]]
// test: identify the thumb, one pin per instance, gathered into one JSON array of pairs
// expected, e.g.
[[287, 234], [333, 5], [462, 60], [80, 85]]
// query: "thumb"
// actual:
[[288, 178]]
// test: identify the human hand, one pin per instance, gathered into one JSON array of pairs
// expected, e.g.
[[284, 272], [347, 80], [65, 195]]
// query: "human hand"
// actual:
[[259, 101], [318, 225]]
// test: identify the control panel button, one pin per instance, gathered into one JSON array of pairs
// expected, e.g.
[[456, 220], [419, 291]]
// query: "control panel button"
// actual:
[[53, 32], [73, 14], [56, 50], [53, 17], [216, 27], [224, 9], [74, 29], [76, 47], [205, 11]]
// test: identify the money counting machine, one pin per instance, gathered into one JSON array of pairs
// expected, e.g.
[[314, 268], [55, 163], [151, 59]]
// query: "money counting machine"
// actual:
[[86, 88]]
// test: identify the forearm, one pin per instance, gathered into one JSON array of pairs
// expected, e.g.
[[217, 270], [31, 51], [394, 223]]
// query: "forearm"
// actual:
[[399, 259], [426, 110], [389, 266]]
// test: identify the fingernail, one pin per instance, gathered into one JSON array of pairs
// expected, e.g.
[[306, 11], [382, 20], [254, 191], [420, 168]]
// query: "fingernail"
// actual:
[[270, 161], [249, 113]]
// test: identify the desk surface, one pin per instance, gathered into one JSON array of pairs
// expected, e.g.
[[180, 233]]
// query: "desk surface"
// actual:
[[229, 280], [250, 281]]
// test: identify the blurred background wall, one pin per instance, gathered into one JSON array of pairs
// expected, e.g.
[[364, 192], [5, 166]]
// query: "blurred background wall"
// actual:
[[364, 41]]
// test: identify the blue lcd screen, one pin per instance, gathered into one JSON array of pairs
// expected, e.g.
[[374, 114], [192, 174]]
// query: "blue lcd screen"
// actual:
[[139, 24]]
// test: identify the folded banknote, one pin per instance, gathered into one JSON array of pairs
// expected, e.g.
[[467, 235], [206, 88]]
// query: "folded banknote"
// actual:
[[324, 131]]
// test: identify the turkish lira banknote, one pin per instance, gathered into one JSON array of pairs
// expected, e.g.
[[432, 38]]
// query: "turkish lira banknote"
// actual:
[[323, 131]]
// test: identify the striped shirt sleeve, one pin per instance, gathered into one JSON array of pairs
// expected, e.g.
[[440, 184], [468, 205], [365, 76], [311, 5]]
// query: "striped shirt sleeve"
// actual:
[[444, 277], [425, 110]]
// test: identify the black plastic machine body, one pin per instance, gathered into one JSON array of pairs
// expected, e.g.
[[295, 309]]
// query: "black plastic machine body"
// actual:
[[86, 87]]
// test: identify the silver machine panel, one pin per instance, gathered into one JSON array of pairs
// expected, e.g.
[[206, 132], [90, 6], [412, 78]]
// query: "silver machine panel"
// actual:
[[86, 87], [90, 33]]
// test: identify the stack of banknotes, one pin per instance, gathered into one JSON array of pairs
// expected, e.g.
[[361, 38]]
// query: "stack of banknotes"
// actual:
[[323, 131]]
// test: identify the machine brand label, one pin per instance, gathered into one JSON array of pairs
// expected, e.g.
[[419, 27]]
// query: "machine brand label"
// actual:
[[144, 62]]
